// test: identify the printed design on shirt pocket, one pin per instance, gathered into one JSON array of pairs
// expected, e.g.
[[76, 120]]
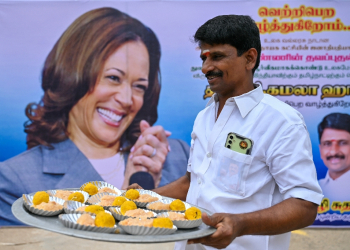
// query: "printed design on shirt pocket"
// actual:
[[232, 171]]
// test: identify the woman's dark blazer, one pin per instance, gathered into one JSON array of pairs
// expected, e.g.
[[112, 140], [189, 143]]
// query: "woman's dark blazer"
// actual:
[[65, 166]]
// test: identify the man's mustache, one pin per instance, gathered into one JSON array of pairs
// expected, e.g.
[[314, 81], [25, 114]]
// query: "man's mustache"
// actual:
[[335, 156], [213, 74]]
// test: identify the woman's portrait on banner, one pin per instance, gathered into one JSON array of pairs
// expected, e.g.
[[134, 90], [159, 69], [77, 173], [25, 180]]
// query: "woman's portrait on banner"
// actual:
[[101, 84]]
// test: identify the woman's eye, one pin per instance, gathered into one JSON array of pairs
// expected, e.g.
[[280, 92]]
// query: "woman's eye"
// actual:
[[114, 78], [140, 88]]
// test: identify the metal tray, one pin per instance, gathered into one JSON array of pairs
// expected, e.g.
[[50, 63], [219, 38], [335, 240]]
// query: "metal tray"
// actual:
[[54, 225]]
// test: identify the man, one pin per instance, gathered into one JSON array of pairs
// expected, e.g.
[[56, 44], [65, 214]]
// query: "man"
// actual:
[[334, 135], [275, 188]]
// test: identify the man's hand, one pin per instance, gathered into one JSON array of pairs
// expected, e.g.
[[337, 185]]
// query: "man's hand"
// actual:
[[227, 230], [134, 186], [286, 216], [149, 152]]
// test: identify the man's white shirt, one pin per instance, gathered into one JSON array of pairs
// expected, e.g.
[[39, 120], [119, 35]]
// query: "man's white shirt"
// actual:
[[280, 165], [338, 189]]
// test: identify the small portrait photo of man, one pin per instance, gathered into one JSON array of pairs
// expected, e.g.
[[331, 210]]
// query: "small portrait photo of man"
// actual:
[[334, 136]]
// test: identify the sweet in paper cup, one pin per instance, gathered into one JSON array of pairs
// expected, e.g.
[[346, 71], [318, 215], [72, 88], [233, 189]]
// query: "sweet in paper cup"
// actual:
[[70, 207], [103, 184], [117, 214], [167, 201], [184, 224], [96, 199], [142, 230], [54, 192], [28, 204], [70, 221], [149, 192]]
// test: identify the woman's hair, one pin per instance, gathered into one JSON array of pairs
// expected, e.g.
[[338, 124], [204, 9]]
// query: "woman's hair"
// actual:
[[73, 67]]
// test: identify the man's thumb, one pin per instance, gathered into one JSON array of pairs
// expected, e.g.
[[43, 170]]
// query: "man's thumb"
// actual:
[[144, 125], [210, 220]]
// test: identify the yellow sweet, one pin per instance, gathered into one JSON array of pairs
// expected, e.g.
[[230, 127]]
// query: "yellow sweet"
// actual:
[[193, 213], [91, 189], [132, 194], [40, 197], [177, 205], [104, 220], [119, 201], [126, 206], [77, 196], [162, 222], [95, 209]]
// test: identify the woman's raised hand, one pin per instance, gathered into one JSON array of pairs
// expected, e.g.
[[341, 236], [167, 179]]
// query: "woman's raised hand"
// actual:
[[149, 152]]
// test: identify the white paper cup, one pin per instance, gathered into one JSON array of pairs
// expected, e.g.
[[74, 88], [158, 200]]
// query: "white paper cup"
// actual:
[[70, 207], [28, 203], [95, 199], [118, 215], [53, 193], [141, 230], [184, 224], [142, 191], [167, 201], [70, 221], [102, 184]]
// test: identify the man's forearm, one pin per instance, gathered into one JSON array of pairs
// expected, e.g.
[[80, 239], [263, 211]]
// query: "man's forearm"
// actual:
[[290, 214], [177, 189]]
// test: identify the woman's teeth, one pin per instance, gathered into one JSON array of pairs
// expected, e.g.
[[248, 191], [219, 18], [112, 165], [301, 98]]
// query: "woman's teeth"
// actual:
[[110, 115]]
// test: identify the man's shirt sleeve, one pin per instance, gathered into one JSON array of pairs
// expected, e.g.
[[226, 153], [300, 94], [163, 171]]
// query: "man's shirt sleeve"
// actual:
[[291, 164]]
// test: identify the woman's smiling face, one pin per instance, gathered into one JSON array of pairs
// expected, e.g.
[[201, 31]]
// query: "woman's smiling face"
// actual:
[[103, 115]]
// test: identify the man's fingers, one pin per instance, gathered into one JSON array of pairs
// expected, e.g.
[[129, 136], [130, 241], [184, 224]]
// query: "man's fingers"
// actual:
[[134, 186], [208, 240], [199, 240], [210, 221], [215, 240], [167, 133], [224, 234]]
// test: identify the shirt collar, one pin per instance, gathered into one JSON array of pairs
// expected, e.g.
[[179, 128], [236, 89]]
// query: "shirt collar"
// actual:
[[346, 175], [245, 102], [327, 178]]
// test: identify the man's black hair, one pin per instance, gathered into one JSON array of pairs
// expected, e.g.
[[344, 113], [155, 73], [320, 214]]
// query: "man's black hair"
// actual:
[[335, 121], [238, 31]]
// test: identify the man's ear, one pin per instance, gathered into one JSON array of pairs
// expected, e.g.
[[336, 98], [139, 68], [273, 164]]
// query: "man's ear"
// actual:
[[251, 55]]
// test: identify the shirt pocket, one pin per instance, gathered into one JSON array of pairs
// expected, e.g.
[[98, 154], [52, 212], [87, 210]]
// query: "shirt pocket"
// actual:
[[232, 171]]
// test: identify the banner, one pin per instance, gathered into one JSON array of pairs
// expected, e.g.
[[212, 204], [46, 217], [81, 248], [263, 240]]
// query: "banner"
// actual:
[[305, 62]]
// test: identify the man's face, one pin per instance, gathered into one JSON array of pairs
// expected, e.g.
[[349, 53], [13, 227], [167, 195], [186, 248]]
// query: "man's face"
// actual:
[[335, 151], [225, 70]]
